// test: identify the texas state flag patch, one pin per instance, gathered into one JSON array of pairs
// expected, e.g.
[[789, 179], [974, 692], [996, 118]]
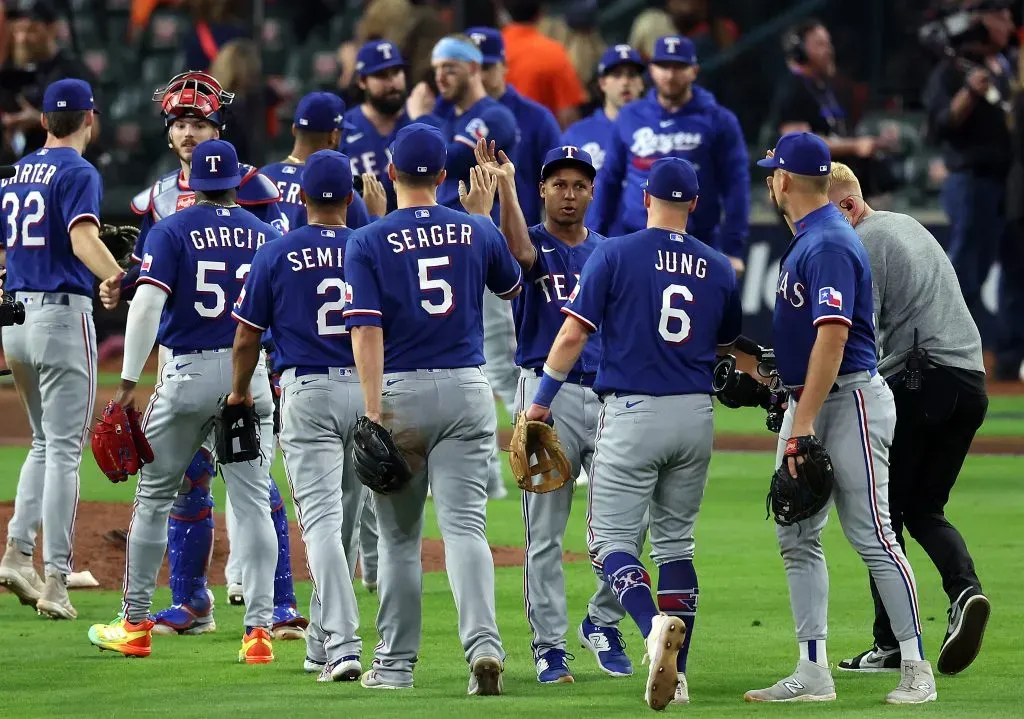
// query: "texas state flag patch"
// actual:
[[830, 296], [147, 262]]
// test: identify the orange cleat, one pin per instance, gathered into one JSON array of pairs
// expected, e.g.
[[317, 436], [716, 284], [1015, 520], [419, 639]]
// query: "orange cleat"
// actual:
[[256, 647], [131, 640]]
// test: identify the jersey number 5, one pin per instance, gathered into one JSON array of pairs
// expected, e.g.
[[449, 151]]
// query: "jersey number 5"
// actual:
[[35, 210], [447, 303], [204, 287], [672, 314]]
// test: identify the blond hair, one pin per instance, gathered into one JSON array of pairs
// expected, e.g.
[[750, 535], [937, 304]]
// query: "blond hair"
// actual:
[[842, 175], [237, 66]]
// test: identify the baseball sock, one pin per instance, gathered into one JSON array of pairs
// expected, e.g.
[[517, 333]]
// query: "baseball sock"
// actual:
[[631, 585], [814, 651], [911, 649], [677, 597], [284, 586]]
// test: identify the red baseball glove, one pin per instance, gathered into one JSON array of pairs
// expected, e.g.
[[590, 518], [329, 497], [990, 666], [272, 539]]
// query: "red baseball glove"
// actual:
[[118, 444]]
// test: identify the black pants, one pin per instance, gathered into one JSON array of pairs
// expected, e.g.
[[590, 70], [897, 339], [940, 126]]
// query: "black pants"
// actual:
[[934, 430]]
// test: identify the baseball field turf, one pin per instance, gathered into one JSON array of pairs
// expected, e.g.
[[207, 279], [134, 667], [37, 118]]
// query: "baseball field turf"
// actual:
[[743, 639]]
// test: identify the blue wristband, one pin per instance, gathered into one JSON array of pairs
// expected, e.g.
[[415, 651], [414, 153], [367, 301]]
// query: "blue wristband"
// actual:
[[547, 390]]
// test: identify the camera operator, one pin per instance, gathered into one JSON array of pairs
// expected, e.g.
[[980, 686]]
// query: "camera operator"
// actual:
[[967, 98]]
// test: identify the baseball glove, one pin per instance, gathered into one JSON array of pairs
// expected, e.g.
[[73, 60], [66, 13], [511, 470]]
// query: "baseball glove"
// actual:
[[118, 444], [237, 433], [538, 441], [120, 240], [792, 500], [737, 389], [378, 462]]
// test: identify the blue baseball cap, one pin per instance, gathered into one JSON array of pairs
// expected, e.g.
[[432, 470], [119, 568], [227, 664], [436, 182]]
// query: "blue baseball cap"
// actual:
[[672, 179], [618, 55], [68, 96], [377, 55], [568, 156], [327, 176], [801, 153], [320, 112], [490, 42], [674, 48], [214, 166], [419, 149]]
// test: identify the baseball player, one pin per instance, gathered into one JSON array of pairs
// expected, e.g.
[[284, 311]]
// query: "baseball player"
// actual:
[[552, 255], [300, 276], [417, 279], [678, 119], [193, 107], [192, 270], [52, 252], [666, 304], [930, 354], [824, 337]]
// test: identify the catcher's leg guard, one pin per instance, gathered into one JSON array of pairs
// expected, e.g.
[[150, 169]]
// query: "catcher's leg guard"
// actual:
[[288, 623], [189, 548]]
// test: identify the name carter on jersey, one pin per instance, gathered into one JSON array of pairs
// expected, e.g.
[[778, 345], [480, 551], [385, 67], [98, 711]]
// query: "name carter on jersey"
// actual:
[[32, 173], [243, 238], [430, 236]]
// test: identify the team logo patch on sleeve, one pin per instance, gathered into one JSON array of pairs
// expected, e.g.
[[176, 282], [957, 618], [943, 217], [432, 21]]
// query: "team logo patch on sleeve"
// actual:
[[830, 296], [147, 262], [241, 298], [477, 129], [348, 294]]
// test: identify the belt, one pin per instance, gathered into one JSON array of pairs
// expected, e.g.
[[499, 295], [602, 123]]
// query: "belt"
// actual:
[[50, 298], [208, 350], [843, 381], [584, 379], [306, 370]]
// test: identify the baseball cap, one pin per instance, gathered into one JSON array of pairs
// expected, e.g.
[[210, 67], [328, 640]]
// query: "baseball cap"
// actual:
[[377, 55], [674, 48], [320, 112], [327, 176], [672, 179], [490, 42], [67, 96], [619, 55], [41, 10], [568, 156], [214, 166], [802, 154], [419, 149]]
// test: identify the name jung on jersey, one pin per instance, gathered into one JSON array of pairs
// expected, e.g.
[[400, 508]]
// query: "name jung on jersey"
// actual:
[[411, 238], [244, 238], [681, 263]]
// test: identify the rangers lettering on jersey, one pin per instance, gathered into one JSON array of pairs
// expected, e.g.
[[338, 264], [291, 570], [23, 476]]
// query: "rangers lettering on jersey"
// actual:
[[647, 142]]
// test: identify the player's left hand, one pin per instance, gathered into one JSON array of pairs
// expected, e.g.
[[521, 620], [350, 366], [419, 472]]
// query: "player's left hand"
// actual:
[[110, 291], [374, 196], [235, 398], [538, 413], [479, 199], [125, 396], [793, 462]]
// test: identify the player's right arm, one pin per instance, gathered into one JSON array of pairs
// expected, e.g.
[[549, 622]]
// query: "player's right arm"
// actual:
[[513, 222], [254, 313], [504, 274], [81, 192], [364, 320]]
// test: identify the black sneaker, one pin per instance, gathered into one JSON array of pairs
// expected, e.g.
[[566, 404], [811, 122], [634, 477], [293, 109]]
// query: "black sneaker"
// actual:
[[875, 659], [967, 619]]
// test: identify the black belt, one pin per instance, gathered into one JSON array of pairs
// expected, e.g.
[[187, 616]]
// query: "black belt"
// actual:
[[53, 298], [303, 371], [584, 379], [179, 353]]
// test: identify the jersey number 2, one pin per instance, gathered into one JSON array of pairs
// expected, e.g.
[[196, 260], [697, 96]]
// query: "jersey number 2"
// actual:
[[670, 313], [205, 287], [323, 328], [35, 209]]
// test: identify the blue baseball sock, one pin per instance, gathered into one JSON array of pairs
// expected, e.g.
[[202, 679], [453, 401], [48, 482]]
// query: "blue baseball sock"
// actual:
[[284, 586], [677, 597], [631, 583]]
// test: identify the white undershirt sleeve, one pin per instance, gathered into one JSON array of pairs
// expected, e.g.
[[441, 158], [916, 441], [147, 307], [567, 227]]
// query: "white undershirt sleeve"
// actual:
[[140, 334]]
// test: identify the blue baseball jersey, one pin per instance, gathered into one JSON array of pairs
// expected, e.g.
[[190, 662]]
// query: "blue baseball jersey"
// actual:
[[547, 286], [663, 303], [701, 131], [593, 134], [487, 120], [288, 176], [200, 257], [296, 289], [824, 276], [420, 273], [370, 151], [55, 189]]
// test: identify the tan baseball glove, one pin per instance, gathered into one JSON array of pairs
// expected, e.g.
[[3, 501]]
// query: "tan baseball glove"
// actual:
[[537, 458]]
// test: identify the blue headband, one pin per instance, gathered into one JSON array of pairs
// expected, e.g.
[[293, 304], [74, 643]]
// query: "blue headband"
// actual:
[[451, 48]]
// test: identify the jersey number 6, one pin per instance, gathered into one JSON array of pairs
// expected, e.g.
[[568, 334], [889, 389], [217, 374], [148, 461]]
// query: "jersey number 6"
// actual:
[[668, 313]]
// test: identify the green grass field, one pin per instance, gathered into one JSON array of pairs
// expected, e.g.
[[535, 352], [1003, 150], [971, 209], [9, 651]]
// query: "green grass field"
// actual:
[[743, 640]]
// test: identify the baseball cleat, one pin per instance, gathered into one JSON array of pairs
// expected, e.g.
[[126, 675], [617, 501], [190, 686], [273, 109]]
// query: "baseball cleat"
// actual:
[[682, 691], [606, 644], [968, 617], [128, 638], [485, 678], [19, 576], [875, 659], [288, 624], [371, 680], [55, 603], [195, 617], [346, 669], [313, 666], [917, 684], [663, 645], [808, 683], [256, 646], [235, 597], [371, 587], [552, 667]]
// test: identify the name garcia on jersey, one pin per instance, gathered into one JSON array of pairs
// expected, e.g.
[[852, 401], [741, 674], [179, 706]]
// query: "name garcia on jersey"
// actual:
[[411, 238], [243, 238]]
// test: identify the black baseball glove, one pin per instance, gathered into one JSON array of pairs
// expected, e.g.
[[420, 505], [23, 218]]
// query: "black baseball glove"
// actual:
[[378, 462], [120, 240], [237, 433], [792, 500], [737, 389]]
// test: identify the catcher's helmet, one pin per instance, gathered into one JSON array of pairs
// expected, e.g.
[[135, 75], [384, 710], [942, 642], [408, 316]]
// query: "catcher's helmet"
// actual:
[[193, 94]]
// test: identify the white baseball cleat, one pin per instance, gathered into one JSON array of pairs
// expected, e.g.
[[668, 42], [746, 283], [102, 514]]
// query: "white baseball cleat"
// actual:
[[663, 645], [19, 576], [235, 597], [682, 691], [917, 684], [808, 683]]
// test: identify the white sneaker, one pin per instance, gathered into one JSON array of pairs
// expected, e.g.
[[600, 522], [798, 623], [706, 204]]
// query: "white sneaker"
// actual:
[[663, 645], [55, 603], [808, 683], [917, 684], [235, 596], [682, 691], [312, 666], [19, 575]]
